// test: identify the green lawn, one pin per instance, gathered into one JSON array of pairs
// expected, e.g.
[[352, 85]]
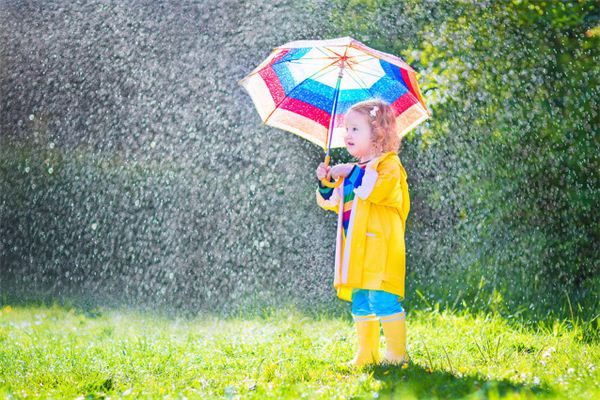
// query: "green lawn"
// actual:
[[56, 352]]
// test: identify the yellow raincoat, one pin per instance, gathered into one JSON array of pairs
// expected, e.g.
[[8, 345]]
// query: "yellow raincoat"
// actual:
[[372, 254]]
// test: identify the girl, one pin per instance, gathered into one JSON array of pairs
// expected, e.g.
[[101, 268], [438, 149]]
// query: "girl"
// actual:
[[372, 205]]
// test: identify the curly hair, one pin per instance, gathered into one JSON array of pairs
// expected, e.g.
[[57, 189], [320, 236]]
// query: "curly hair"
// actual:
[[384, 132]]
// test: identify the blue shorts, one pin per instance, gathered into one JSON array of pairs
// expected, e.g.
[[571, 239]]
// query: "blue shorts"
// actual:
[[368, 305]]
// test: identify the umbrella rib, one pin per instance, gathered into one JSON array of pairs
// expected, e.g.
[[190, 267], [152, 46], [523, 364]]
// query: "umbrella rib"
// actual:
[[294, 88], [324, 58], [357, 70], [378, 75], [385, 76], [362, 64], [279, 62], [305, 58], [364, 87], [289, 61], [392, 59], [361, 84], [301, 61], [327, 56]]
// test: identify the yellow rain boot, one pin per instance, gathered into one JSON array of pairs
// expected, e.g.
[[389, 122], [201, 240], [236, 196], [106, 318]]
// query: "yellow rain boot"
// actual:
[[368, 342], [394, 331]]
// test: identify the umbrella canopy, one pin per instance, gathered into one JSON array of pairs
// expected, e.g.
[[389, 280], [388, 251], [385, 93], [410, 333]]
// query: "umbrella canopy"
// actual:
[[306, 86]]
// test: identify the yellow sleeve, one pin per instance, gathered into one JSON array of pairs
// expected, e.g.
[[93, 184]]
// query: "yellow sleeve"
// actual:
[[383, 185], [328, 198], [405, 194]]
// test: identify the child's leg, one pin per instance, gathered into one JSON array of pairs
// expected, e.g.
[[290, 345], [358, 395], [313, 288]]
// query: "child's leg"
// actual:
[[388, 308], [367, 328]]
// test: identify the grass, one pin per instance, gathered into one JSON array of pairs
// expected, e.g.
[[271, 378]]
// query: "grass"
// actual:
[[51, 351]]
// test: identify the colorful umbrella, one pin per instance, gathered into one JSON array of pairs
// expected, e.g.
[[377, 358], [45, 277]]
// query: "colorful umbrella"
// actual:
[[306, 86]]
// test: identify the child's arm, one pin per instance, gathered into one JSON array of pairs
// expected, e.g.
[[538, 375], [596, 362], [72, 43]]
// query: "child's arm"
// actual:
[[382, 186], [327, 198]]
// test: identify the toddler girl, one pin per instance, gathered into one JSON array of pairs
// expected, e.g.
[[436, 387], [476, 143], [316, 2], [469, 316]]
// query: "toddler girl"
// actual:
[[372, 205]]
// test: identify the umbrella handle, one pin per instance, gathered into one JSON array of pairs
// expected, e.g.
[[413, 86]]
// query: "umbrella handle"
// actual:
[[326, 182]]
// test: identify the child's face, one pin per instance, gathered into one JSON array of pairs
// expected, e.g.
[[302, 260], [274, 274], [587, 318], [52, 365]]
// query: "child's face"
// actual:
[[358, 134]]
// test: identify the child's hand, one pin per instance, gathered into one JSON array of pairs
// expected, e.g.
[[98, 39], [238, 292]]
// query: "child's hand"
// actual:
[[341, 170], [323, 171]]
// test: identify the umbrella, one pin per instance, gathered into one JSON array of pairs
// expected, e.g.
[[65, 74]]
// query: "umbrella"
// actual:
[[306, 86]]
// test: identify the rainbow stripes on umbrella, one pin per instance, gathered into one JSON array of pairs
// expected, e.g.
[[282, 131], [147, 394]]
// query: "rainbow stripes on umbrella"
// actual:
[[303, 83]]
